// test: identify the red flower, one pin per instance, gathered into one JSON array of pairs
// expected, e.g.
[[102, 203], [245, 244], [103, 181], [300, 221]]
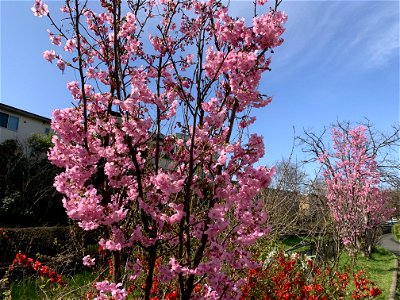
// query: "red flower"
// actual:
[[374, 292], [37, 265], [110, 264], [22, 261], [172, 296], [307, 288], [318, 288]]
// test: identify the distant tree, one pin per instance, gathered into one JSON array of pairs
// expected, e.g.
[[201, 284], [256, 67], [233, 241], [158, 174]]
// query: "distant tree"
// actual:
[[383, 146], [394, 199], [27, 194], [354, 197], [12, 172], [282, 200], [289, 176], [39, 144]]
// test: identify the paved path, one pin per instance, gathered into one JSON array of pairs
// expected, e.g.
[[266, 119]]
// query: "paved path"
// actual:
[[387, 242]]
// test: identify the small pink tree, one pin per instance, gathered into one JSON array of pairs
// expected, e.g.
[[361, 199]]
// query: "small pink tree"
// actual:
[[155, 138], [353, 194]]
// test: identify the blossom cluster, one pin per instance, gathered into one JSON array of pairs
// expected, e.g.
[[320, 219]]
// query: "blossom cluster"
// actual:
[[40, 9], [108, 289], [88, 261]]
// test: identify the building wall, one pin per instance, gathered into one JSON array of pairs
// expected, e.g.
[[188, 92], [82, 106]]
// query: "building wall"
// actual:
[[26, 127]]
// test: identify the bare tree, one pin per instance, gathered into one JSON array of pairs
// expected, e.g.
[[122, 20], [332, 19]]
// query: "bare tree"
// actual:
[[289, 176], [284, 200]]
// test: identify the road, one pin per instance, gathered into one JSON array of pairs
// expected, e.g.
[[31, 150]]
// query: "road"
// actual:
[[387, 242]]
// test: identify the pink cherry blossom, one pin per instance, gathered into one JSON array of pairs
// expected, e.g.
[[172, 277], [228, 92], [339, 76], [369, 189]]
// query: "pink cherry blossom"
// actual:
[[61, 65], [88, 261], [113, 290], [49, 55], [74, 88], [54, 39], [40, 9], [70, 45]]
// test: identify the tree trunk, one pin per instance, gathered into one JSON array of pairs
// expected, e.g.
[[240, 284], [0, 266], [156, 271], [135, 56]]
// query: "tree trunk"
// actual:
[[116, 261]]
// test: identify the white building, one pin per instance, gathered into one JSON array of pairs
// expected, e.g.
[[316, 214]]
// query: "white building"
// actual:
[[19, 124]]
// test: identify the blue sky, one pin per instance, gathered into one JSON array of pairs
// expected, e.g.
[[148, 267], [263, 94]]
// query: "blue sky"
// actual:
[[340, 61]]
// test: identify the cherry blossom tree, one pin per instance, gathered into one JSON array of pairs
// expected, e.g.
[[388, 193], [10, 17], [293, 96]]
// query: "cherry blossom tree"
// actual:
[[356, 202], [153, 150]]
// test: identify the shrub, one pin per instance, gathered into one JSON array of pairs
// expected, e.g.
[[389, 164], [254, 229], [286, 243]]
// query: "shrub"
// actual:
[[27, 195], [59, 247], [396, 231]]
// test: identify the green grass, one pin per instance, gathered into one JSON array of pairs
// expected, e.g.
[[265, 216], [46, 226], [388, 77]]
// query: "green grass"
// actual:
[[291, 243], [296, 244], [379, 268], [35, 288], [26, 289], [285, 244], [396, 231], [398, 287]]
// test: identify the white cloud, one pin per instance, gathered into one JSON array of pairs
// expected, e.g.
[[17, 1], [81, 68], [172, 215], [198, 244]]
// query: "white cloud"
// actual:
[[337, 34]]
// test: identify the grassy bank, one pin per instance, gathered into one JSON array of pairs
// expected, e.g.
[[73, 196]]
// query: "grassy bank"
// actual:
[[396, 232], [379, 268]]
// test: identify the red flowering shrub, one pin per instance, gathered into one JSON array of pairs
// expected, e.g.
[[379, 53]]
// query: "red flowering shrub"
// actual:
[[24, 262], [295, 277], [363, 289]]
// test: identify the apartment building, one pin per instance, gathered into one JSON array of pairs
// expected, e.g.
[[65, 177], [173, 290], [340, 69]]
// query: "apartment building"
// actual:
[[19, 124]]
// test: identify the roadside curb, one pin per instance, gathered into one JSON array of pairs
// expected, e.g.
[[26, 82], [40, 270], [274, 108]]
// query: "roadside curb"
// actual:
[[392, 292]]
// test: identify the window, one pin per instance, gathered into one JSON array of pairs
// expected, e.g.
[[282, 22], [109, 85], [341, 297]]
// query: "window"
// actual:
[[8, 121], [13, 123], [47, 130], [3, 120]]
